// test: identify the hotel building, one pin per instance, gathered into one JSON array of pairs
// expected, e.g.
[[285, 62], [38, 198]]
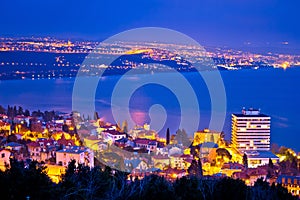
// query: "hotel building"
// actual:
[[250, 130]]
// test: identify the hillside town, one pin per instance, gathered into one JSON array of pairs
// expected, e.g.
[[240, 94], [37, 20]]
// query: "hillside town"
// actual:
[[55, 139]]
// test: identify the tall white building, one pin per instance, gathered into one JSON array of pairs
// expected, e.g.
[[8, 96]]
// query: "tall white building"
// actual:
[[250, 130]]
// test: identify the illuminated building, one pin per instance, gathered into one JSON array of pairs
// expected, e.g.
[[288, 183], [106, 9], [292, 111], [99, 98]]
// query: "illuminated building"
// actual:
[[292, 183], [160, 161], [81, 155], [259, 158], [112, 135], [136, 165], [4, 158], [54, 172], [250, 130], [150, 145], [5, 127], [206, 135]]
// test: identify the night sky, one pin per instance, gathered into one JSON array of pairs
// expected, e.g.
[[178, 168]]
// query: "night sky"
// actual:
[[223, 22]]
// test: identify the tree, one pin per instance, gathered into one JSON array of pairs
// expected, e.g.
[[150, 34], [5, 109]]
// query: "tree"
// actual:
[[168, 136], [200, 168], [20, 182], [36, 127], [245, 161], [10, 112], [96, 115], [2, 110], [125, 126], [195, 168], [49, 116], [223, 153], [188, 188], [228, 188], [15, 112], [182, 138], [271, 165], [27, 113], [20, 111], [270, 168], [150, 187], [65, 128]]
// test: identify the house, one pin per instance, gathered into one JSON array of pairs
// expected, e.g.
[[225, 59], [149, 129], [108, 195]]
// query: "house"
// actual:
[[175, 150], [21, 119], [14, 146], [4, 158], [3, 116], [17, 150], [180, 161], [112, 135], [206, 147], [173, 173], [136, 165], [206, 135], [177, 161], [54, 127], [34, 151], [92, 142], [292, 183], [229, 168], [160, 161], [68, 121], [146, 134], [63, 141], [42, 149], [250, 175], [161, 149], [81, 155], [143, 132], [5, 128], [259, 158], [106, 127], [150, 145], [55, 172]]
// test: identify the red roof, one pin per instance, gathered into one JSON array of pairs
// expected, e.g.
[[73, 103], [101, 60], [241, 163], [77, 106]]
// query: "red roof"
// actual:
[[4, 123], [173, 171], [33, 144], [185, 156], [92, 137], [45, 141], [232, 166], [160, 157], [241, 175], [64, 141], [145, 141], [114, 132], [176, 155], [141, 141]]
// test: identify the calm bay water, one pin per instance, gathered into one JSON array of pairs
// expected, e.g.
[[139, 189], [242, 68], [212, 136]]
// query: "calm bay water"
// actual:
[[275, 91]]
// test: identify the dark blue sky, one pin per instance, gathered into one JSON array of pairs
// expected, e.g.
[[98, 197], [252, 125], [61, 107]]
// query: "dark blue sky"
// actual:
[[209, 21]]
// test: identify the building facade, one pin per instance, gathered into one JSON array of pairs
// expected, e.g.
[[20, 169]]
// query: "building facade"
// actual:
[[81, 155], [251, 130], [292, 183], [206, 135]]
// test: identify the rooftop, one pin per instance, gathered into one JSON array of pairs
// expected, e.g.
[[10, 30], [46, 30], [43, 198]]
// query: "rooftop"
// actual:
[[73, 150], [260, 154], [250, 112], [242, 115], [13, 144], [113, 132]]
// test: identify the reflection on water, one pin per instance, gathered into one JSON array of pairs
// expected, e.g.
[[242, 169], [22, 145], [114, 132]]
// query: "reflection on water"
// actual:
[[275, 91]]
